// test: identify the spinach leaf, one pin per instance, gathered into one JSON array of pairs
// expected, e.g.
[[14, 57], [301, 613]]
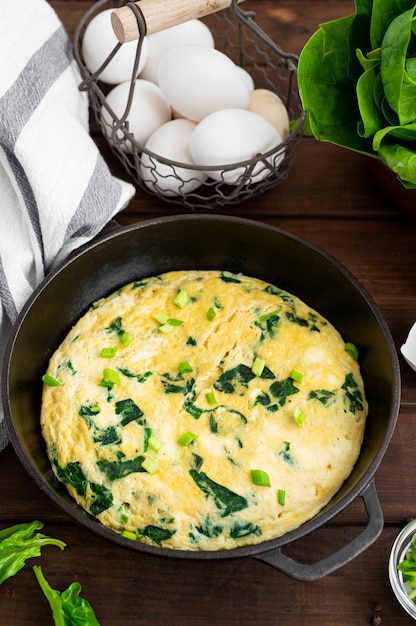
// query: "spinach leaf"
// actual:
[[129, 412], [68, 608], [141, 378], [240, 529], [231, 380], [281, 389], [225, 499], [72, 474], [107, 436], [227, 277], [208, 528], [119, 469], [103, 499], [157, 534], [322, 395], [353, 395], [19, 543]]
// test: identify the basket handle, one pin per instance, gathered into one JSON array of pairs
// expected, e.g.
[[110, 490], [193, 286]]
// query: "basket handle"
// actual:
[[161, 14]]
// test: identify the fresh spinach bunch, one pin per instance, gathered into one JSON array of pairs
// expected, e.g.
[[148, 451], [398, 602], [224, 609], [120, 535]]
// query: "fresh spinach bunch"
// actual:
[[357, 82]]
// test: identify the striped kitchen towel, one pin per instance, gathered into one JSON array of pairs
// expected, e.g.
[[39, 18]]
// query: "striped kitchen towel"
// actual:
[[56, 192]]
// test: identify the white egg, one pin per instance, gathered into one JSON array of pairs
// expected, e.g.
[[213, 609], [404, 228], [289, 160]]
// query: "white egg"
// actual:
[[171, 141], [248, 79], [231, 136], [198, 81], [97, 44], [270, 106], [148, 110], [191, 32]]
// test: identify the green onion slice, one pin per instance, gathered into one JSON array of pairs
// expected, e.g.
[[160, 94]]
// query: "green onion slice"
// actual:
[[125, 339], [155, 444], [352, 350], [187, 438], [210, 396], [108, 353], [181, 299], [211, 313], [260, 477], [166, 328], [281, 496], [50, 380], [297, 376], [258, 366], [160, 317], [110, 378], [299, 416], [151, 464], [129, 535], [184, 367]]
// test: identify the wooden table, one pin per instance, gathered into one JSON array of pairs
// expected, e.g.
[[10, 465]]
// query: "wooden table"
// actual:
[[331, 200]]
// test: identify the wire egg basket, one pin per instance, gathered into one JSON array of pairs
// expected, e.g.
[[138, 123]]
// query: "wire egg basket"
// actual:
[[237, 35]]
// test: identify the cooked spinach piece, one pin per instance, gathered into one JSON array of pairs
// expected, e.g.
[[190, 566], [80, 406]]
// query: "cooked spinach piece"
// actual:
[[353, 395], [67, 365], [225, 499], [275, 291], [213, 426], [116, 327], [239, 529], [129, 412], [286, 455], [227, 277], [190, 341], [322, 395], [72, 474], [198, 460], [268, 325], [233, 379], [281, 389], [107, 436], [103, 498], [141, 378], [208, 528], [157, 534], [119, 469]]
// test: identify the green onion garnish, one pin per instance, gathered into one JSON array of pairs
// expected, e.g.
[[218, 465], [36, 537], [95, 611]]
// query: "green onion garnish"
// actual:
[[281, 496], [299, 416], [210, 396], [258, 366], [352, 350], [110, 378], [151, 464], [187, 438], [181, 299], [108, 353], [50, 380], [166, 328], [125, 339], [160, 317], [184, 367], [155, 444], [297, 376], [129, 535], [211, 313], [260, 477]]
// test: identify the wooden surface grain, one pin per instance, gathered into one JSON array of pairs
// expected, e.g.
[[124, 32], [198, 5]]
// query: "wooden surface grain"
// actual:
[[332, 200]]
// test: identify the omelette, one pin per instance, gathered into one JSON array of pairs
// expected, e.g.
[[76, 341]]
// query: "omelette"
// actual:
[[203, 410]]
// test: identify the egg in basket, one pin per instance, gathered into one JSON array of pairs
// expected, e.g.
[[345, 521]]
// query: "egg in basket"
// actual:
[[202, 110]]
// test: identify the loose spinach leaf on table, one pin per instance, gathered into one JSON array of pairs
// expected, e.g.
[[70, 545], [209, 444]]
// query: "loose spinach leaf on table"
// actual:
[[68, 608], [21, 542]]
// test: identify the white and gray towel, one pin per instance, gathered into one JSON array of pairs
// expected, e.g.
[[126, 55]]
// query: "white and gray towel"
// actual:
[[56, 192]]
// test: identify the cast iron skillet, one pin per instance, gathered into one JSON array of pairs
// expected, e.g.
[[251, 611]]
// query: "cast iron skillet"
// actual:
[[207, 242]]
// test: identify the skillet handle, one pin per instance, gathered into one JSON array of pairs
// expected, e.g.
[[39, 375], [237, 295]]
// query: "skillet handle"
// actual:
[[315, 571]]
